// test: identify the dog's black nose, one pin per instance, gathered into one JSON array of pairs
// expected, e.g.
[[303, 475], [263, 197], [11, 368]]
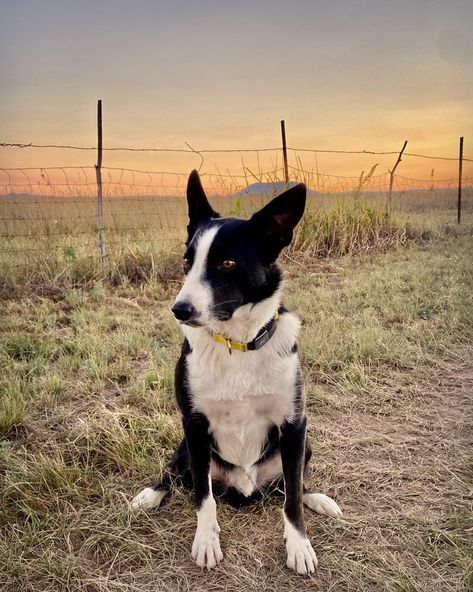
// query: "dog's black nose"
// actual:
[[183, 310]]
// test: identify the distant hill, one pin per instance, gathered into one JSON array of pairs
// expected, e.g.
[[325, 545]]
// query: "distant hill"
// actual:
[[268, 189]]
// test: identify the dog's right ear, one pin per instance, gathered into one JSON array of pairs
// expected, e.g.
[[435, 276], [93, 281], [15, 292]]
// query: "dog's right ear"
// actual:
[[200, 211]]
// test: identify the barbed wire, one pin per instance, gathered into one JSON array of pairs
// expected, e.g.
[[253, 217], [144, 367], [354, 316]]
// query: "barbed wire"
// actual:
[[133, 149], [224, 150], [378, 153], [437, 157], [321, 151]]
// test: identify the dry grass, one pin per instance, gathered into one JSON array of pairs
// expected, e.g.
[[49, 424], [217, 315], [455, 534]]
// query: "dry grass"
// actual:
[[87, 417], [349, 229], [52, 241]]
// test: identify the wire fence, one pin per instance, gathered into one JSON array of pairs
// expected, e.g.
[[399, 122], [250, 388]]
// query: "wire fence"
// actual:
[[51, 208]]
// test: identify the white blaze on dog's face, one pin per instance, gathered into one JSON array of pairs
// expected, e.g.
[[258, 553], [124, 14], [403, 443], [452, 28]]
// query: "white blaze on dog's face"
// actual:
[[230, 262], [195, 298]]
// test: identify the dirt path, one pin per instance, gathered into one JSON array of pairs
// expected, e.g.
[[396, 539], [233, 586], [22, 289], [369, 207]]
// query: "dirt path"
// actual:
[[401, 467], [404, 481]]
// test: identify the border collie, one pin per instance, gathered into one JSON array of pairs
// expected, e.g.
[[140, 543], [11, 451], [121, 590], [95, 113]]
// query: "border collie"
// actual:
[[238, 380]]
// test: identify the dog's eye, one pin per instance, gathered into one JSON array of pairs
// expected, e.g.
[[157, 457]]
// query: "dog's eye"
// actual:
[[228, 264], [186, 264]]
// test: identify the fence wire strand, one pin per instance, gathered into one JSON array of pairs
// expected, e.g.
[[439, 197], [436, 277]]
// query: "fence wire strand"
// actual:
[[222, 150], [53, 208]]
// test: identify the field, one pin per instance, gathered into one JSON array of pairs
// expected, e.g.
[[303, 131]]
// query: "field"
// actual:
[[46, 238], [87, 418]]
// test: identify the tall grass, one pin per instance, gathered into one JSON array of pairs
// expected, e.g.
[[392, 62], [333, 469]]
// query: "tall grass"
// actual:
[[350, 226], [347, 229]]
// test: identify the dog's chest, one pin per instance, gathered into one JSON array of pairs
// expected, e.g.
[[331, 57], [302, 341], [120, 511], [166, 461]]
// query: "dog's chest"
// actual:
[[242, 395]]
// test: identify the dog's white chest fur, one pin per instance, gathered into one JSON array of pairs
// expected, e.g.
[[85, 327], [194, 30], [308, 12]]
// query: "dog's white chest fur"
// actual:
[[243, 394]]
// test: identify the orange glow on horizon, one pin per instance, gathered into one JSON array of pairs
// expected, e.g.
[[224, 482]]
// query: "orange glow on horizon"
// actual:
[[71, 173]]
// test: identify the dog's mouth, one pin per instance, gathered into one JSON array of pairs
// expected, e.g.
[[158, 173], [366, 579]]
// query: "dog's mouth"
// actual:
[[191, 323], [215, 316], [197, 323]]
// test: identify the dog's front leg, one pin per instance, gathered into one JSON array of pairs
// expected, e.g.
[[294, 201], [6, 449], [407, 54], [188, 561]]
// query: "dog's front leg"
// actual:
[[206, 547], [300, 555]]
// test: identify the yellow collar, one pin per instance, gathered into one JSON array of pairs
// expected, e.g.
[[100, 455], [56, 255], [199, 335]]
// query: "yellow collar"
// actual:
[[264, 335]]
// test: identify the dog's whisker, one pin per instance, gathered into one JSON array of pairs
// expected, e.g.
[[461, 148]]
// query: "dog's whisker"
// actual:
[[224, 302]]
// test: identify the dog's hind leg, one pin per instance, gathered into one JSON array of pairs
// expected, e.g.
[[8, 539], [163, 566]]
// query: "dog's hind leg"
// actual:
[[321, 503], [318, 502], [151, 497]]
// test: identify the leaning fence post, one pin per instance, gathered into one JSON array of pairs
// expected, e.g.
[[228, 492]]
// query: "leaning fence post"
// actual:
[[391, 177], [98, 174], [460, 169], [284, 151]]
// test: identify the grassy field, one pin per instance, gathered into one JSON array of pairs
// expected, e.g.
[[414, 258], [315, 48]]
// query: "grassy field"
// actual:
[[87, 418], [53, 239]]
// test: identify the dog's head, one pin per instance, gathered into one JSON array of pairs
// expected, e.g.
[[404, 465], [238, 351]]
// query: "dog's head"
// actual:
[[231, 262]]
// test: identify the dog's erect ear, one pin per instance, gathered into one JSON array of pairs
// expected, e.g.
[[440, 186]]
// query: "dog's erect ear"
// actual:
[[276, 221], [198, 206]]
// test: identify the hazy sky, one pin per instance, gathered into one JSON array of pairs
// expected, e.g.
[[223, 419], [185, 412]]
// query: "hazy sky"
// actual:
[[343, 74]]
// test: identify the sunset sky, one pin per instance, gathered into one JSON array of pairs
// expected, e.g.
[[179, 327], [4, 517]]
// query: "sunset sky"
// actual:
[[363, 74]]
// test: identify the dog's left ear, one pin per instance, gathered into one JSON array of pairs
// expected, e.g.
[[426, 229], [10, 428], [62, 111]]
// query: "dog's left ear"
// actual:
[[276, 221], [200, 211]]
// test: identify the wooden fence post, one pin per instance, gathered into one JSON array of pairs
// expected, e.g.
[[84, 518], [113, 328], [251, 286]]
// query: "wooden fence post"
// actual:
[[284, 151], [391, 177], [98, 174], [460, 170]]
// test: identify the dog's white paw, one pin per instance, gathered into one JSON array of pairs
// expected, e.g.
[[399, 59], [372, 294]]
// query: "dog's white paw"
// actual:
[[300, 555], [206, 547], [322, 504], [148, 498]]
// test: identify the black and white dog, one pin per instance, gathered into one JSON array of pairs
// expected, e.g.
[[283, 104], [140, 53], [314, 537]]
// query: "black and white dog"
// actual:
[[238, 380]]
